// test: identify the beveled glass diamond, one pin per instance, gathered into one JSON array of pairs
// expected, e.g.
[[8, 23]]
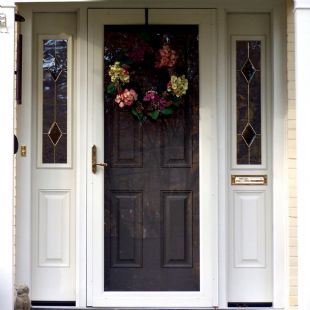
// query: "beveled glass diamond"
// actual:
[[248, 134], [55, 70], [248, 70], [54, 133]]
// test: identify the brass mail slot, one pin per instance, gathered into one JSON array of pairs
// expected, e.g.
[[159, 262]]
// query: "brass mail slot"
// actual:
[[249, 180]]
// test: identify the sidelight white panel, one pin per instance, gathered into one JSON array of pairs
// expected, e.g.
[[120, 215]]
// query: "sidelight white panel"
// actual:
[[54, 228], [53, 268], [250, 271], [249, 229]]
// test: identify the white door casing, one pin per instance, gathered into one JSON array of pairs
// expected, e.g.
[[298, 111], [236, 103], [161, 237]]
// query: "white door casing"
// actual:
[[207, 296]]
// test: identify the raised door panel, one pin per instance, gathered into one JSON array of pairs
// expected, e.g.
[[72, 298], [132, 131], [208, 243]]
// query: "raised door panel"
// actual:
[[175, 144], [126, 231], [176, 212], [54, 228], [127, 148], [249, 229]]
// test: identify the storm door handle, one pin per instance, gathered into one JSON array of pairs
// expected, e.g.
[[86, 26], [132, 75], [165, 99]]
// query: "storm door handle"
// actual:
[[94, 163]]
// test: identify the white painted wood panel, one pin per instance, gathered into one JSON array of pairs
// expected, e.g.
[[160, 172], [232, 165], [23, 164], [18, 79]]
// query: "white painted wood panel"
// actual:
[[250, 241], [249, 229], [54, 228]]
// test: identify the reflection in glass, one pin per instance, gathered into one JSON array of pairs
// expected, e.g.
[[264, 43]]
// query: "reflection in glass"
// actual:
[[248, 96], [54, 149]]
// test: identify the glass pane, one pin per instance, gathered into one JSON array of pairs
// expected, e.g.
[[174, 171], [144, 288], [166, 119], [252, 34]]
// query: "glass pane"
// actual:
[[152, 148], [248, 96], [54, 65]]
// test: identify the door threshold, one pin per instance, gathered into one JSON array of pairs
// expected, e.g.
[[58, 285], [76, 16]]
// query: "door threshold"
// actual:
[[150, 308]]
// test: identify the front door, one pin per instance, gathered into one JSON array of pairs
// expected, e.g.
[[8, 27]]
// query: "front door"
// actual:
[[150, 207]]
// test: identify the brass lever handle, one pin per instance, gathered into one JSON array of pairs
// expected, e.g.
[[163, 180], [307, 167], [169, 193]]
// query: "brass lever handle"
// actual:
[[94, 160], [102, 165]]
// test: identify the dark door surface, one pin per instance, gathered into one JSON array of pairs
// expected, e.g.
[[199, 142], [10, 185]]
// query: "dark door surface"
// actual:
[[152, 179]]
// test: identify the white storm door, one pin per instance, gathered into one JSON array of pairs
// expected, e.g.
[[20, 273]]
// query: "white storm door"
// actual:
[[98, 292]]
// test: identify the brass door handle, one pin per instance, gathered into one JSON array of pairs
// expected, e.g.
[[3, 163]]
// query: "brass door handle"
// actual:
[[94, 160]]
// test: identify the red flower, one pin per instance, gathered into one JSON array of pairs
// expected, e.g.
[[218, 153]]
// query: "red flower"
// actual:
[[166, 58]]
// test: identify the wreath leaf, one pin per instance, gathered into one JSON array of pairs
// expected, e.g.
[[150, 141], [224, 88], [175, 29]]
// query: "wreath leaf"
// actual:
[[167, 111], [134, 112], [138, 115], [154, 115], [111, 89]]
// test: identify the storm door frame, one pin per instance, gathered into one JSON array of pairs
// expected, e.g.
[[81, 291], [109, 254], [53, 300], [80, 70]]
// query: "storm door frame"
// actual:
[[96, 296]]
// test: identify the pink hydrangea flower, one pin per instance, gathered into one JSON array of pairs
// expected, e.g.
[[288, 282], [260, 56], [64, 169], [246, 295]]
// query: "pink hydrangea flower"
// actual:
[[126, 98], [155, 99], [166, 58], [150, 95]]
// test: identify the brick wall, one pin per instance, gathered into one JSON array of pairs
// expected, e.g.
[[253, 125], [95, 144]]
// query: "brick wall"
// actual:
[[293, 294]]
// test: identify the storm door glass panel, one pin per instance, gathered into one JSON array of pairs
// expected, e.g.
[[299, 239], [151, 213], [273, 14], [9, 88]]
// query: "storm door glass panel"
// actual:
[[151, 187], [55, 99], [248, 91]]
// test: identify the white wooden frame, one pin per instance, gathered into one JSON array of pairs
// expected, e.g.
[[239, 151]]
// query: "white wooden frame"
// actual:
[[208, 162], [40, 101], [280, 258]]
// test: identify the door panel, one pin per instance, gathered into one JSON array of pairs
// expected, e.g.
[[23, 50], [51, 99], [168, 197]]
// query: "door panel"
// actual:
[[176, 227], [152, 179], [126, 134], [125, 230]]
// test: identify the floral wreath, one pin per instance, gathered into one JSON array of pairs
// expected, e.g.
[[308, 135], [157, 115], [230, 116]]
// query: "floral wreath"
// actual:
[[153, 104]]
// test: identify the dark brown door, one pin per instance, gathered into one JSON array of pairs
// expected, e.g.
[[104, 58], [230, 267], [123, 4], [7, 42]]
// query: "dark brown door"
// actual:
[[152, 179]]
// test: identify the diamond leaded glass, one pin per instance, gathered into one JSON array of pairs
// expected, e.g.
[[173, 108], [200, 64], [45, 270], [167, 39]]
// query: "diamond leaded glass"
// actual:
[[248, 97], [54, 84]]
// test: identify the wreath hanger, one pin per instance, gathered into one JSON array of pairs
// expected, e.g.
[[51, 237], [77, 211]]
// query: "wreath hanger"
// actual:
[[146, 17]]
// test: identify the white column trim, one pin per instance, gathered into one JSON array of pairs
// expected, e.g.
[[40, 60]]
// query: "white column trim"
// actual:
[[6, 158], [302, 4], [280, 168], [302, 37]]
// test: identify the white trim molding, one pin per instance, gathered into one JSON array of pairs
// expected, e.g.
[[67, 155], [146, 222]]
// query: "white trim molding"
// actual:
[[302, 26], [6, 159]]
